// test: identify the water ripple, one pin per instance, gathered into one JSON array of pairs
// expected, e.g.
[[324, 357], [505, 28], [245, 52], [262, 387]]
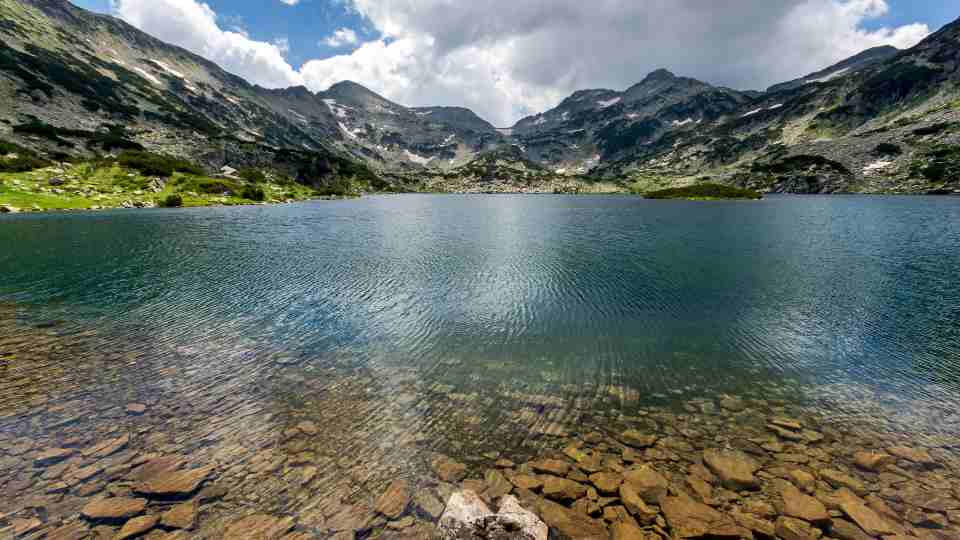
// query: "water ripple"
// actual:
[[595, 302]]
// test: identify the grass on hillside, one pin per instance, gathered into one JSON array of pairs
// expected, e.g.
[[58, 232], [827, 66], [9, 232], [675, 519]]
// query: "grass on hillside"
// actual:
[[704, 192], [108, 184]]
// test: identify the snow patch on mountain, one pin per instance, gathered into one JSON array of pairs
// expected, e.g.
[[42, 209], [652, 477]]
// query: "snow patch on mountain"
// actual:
[[420, 160], [300, 118], [146, 75], [169, 69], [877, 167], [830, 77], [338, 110], [346, 130], [753, 112], [609, 102]]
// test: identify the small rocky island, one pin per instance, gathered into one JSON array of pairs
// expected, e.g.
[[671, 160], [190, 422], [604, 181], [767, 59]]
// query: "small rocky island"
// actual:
[[704, 192]]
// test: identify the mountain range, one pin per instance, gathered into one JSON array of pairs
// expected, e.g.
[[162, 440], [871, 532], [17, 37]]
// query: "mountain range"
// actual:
[[886, 120]]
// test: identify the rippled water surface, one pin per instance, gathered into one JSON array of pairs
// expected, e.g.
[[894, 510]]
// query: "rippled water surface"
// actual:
[[404, 325]]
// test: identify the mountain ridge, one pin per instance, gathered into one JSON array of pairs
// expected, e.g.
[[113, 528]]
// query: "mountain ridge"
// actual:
[[83, 72], [846, 66]]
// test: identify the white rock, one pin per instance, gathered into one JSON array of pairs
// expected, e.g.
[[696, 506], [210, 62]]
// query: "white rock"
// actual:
[[528, 521], [463, 509], [468, 517]]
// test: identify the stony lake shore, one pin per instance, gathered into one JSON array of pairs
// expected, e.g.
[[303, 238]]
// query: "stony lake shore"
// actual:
[[743, 471], [341, 458]]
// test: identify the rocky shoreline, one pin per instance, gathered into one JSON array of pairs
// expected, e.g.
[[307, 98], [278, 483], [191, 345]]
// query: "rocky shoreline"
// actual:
[[139, 205], [746, 471], [344, 456]]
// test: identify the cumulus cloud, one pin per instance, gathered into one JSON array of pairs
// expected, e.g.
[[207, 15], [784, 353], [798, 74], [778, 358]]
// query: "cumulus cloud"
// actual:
[[193, 26], [341, 37], [505, 58], [290, 2], [282, 44]]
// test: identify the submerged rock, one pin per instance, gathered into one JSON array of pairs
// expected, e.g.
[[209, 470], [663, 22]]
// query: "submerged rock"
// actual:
[[796, 529], [113, 509], [734, 468], [570, 523], [23, 527], [181, 516], [872, 461], [638, 439], [449, 470], [635, 504], [106, 448], [839, 479], [607, 483], [647, 482], [136, 409], [260, 527], [52, 455], [915, 455], [174, 484], [797, 504], [137, 526], [551, 466], [690, 519], [865, 517], [562, 489], [395, 499], [626, 531]]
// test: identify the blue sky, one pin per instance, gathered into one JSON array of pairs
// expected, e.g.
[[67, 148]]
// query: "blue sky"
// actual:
[[509, 58], [935, 13]]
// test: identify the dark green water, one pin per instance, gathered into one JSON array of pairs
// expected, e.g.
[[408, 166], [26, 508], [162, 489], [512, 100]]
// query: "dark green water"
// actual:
[[849, 302]]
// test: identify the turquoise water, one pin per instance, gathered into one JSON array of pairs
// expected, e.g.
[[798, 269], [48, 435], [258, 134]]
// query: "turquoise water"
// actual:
[[849, 302]]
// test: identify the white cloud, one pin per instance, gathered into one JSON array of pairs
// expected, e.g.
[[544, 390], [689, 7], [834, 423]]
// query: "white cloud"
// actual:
[[341, 37], [282, 44], [193, 26], [290, 2], [505, 58]]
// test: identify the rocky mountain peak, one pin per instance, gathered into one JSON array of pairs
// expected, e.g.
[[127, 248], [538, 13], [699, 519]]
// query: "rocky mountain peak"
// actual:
[[348, 88], [659, 75], [298, 92], [458, 117], [357, 95]]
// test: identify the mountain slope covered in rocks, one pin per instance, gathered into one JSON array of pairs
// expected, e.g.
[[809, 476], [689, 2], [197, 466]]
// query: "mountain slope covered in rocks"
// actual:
[[888, 127], [69, 78]]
